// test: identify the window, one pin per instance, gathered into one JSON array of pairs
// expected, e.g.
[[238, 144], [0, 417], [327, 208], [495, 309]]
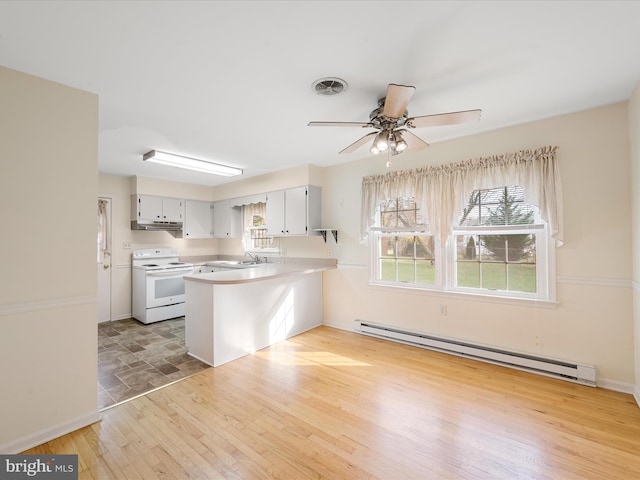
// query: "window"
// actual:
[[255, 237], [404, 250], [498, 247], [488, 225]]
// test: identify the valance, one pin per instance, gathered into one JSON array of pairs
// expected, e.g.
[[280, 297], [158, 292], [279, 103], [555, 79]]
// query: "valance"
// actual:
[[441, 191]]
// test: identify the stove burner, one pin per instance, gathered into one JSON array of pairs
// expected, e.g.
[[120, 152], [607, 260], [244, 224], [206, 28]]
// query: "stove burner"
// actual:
[[150, 265], [177, 263]]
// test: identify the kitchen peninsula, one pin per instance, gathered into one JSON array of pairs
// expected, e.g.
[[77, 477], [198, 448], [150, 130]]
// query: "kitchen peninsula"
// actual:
[[233, 313]]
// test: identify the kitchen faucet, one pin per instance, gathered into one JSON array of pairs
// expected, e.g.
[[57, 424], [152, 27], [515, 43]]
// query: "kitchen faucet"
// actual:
[[253, 257]]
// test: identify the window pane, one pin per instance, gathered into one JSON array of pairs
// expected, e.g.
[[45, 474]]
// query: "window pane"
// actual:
[[388, 270], [425, 248], [468, 274], [494, 247], [521, 248], [467, 247], [387, 247], [388, 219], [522, 278], [426, 272], [406, 218], [494, 276], [406, 271], [497, 206], [406, 246]]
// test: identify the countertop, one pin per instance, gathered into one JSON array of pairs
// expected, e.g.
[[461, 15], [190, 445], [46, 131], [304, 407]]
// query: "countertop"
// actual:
[[263, 271]]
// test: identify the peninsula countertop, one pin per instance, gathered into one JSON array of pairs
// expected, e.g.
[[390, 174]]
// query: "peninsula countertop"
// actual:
[[263, 271]]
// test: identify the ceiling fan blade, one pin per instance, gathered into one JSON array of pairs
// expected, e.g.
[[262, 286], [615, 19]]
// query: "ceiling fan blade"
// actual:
[[397, 99], [339, 124], [414, 142], [358, 143], [453, 118]]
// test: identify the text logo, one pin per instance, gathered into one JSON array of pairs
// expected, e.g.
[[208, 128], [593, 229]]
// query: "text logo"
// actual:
[[44, 467]]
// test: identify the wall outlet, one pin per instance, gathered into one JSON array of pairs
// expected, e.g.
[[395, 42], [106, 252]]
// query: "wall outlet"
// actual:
[[126, 245], [443, 310]]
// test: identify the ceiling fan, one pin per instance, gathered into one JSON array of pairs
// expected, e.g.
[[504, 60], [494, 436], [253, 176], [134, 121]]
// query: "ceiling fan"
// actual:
[[391, 120]]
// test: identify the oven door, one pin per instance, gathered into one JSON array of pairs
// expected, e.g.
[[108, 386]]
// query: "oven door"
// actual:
[[166, 287]]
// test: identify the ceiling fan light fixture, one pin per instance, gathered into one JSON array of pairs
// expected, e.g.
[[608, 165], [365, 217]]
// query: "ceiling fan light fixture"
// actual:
[[381, 142], [392, 141], [401, 144], [188, 163], [374, 150]]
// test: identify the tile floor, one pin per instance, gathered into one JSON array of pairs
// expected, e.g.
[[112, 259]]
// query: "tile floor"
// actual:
[[134, 358]]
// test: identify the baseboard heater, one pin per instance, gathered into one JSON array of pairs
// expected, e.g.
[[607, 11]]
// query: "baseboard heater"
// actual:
[[575, 372]]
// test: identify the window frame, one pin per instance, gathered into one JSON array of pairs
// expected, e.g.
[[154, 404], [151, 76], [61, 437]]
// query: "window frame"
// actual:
[[377, 257], [445, 261], [542, 242]]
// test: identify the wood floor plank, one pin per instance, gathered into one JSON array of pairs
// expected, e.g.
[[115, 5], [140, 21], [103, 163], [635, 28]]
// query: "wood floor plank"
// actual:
[[330, 404]]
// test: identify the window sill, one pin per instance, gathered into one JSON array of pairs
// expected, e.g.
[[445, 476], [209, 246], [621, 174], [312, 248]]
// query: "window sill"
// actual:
[[466, 295]]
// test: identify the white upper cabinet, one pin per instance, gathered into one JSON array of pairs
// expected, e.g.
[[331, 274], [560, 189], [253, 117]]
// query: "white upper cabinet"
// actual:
[[294, 211], [198, 219], [150, 208], [172, 209], [226, 220]]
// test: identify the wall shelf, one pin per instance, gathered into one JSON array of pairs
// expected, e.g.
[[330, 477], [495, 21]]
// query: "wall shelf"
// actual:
[[323, 232]]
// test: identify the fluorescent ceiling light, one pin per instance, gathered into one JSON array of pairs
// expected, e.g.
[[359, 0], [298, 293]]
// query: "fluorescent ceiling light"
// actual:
[[188, 163]]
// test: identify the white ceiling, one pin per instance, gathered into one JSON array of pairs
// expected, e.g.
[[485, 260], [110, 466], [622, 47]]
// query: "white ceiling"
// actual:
[[230, 82]]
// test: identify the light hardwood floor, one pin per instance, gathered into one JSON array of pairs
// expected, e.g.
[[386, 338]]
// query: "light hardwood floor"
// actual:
[[334, 404]]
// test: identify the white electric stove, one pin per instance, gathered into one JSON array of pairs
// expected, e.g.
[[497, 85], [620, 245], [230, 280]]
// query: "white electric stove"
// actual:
[[158, 284]]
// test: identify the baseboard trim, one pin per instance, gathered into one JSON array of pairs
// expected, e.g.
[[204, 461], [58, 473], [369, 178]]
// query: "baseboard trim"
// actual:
[[636, 395], [616, 386], [43, 436]]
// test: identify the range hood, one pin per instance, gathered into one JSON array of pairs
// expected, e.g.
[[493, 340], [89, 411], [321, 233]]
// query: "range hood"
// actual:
[[155, 225]]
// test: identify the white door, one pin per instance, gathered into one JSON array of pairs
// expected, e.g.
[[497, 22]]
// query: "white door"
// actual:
[[104, 259]]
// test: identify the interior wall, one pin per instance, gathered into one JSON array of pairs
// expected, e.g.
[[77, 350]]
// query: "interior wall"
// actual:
[[592, 322], [48, 184], [634, 138]]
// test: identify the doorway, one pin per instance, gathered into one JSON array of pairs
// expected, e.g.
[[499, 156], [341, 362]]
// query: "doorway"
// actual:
[[104, 259]]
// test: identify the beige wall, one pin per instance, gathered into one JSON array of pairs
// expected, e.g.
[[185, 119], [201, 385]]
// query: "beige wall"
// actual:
[[48, 184], [634, 134], [592, 322]]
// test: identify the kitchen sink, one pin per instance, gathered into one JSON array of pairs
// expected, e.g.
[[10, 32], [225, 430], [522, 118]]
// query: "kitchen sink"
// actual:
[[233, 263]]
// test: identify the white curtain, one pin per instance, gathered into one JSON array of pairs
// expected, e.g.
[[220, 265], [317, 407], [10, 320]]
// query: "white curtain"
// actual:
[[441, 191], [250, 210], [103, 230]]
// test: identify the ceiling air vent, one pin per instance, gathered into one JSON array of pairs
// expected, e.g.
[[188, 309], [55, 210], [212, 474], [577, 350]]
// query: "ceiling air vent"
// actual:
[[329, 86]]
